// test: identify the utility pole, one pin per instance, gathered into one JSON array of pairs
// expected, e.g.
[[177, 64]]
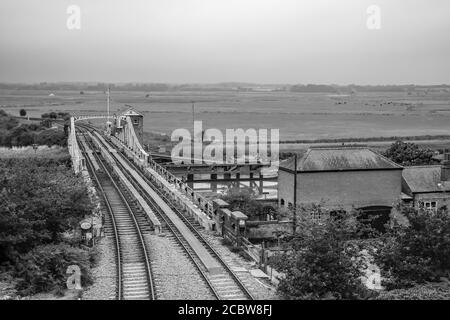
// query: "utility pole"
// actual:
[[107, 102], [193, 115], [295, 195], [108, 123], [193, 132]]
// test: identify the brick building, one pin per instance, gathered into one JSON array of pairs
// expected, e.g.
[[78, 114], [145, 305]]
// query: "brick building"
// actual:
[[428, 186], [341, 178]]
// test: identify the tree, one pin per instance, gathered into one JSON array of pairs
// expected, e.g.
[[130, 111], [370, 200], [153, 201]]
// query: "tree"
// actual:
[[52, 137], [6, 121], [46, 123], [23, 112], [323, 262], [243, 199], [409, 154], [38, 201], [418, 252], [21, 136]]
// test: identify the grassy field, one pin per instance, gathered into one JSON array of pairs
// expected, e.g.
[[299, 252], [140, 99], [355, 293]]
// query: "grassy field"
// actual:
[[297, 115], [42, 152]]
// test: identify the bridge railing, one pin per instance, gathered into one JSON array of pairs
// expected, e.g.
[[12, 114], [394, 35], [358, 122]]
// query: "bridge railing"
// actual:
[[204, 204], [134, 142], [128, 138], [78, 161], [96, 116]]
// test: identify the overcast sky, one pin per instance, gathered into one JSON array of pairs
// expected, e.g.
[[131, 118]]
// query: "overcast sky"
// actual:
[[264, 41]]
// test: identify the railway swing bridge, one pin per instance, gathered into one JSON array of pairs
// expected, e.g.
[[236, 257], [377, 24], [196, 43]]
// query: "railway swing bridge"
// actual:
[[141, 196]]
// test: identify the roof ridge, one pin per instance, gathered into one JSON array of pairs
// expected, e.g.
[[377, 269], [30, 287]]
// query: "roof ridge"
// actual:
[[303, 159], [338, 147], [423, 166], [385, 158]]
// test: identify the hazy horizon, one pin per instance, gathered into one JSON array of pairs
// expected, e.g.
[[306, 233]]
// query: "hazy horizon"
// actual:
[[223, 41], [94, 82]]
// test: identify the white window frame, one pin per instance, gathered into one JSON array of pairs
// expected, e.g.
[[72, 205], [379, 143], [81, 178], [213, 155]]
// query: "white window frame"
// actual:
[[430, 205]]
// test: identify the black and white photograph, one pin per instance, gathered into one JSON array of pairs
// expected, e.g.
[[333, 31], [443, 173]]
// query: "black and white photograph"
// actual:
[[226, 155]]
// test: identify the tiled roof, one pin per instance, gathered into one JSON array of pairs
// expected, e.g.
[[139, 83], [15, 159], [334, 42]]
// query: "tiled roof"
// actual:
[[131, 112], [339, 158], [425, 179]]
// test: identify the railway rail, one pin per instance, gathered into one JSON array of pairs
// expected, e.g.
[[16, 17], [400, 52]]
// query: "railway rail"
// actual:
[[134, 274], [225, 284]]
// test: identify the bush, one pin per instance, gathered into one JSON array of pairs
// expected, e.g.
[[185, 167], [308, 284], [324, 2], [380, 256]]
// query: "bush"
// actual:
[[46, 123], [21, 136], [418, 252], [14, 135], [44, 268], [423, 292], [40, 199], [322, 262], [243, 200], [37, 204], [33, 126], [23, 112], [54, 115], [51, 138], [7, 122]]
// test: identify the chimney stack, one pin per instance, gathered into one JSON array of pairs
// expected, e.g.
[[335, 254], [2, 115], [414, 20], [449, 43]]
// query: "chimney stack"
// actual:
[[445, 166]]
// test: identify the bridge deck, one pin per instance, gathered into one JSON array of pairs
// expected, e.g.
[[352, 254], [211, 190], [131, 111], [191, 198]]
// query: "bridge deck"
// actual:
[[89, 152], [107, 154], [207, 260], [200, 216]]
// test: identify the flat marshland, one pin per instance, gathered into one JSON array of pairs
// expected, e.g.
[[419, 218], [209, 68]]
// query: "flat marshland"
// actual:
[[299, 116]]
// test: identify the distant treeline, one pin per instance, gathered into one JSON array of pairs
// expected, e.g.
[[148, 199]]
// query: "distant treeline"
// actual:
[[227, 86], [56, 115], [369, 139]]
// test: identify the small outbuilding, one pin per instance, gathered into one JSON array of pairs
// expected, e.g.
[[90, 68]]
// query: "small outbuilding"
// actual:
[[428, 186]]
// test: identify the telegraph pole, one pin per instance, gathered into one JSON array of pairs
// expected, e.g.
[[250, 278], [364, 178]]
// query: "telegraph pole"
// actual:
[[193, 115], [295, 195], [107, 103], [193, 132], [108, 123]]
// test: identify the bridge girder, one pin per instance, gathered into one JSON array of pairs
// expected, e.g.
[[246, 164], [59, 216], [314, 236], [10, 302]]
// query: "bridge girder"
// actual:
[[79, 118]]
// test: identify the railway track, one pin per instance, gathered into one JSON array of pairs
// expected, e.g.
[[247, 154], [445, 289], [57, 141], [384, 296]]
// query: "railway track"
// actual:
[[224, 284], [134, 274]]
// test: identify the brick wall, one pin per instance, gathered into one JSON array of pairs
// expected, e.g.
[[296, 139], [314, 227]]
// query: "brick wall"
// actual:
[[346, 188]]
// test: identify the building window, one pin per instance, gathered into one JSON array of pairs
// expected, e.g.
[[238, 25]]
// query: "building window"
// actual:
[[430, 206], [282, 202], [136, 121], [338, 215], [316, 214]]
